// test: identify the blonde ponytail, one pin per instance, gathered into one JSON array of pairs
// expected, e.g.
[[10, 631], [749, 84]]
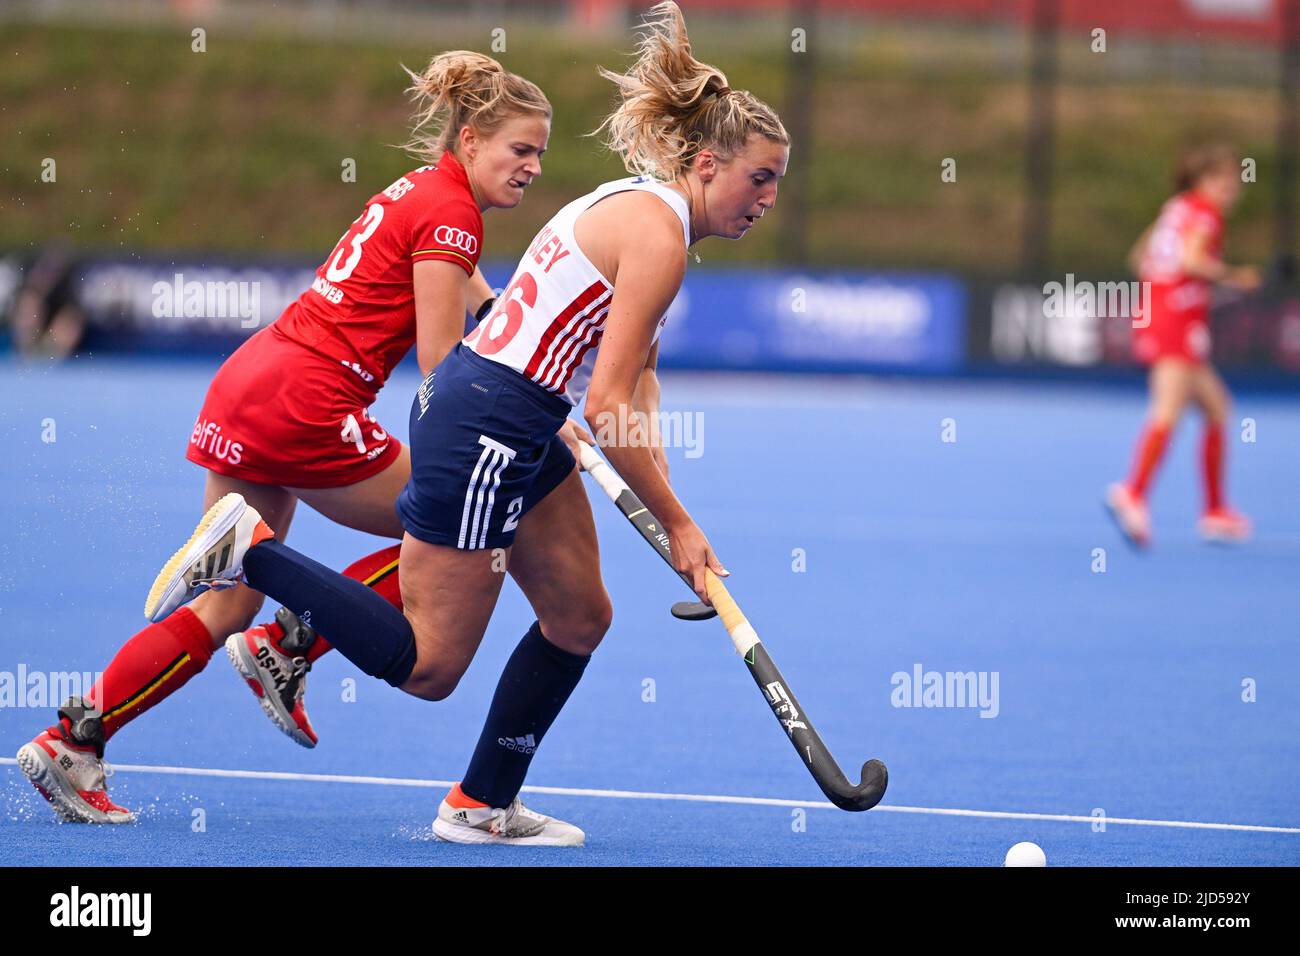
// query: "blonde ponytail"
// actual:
[[672, 105], [460, 89]]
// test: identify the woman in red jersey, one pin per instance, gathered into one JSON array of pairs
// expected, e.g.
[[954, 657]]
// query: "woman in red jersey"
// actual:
[[1178, 257], [490, 476], [286, 418]]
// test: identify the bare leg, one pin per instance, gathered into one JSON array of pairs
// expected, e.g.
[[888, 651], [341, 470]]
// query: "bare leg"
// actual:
[[230, 610], [556, 562], [369, 505], [1171, 389], [448, 596], [1211, 395], [1170, 384]]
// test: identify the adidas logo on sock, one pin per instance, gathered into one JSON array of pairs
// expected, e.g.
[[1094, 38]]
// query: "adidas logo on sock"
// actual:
[[523, 745]]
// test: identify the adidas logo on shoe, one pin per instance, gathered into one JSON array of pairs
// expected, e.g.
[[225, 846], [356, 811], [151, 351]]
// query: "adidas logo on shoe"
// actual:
[[524, 745]]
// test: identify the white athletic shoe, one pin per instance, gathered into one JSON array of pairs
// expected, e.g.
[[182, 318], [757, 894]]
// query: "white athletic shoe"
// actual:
[[462, 819], [1224, 526], [72, 777], [1130, 513], [212, 558]]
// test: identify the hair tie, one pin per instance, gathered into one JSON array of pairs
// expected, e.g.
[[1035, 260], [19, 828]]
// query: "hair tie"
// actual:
[[722, 92]]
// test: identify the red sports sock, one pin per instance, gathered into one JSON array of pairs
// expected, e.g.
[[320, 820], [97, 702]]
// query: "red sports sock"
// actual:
[[377, 571], [1150, 449], [1212, 463], [150, 667]]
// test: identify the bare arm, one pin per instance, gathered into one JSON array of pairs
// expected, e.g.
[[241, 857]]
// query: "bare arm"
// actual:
[[1197, 261], [645, 400], [477, 291], [1134, 258], [1200, 263], [645, 286], [651, 265], [440, 297]]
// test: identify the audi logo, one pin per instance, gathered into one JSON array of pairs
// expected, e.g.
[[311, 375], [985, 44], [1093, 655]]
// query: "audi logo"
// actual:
[[458, 238]]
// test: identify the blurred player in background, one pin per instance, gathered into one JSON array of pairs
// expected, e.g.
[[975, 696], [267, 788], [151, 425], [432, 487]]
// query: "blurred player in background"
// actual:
[[47, 321], [286, 418], [1179, 255], [490, 475]]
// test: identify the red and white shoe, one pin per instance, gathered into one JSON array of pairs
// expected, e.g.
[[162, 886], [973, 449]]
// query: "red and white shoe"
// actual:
[[72, 777], [1224, 526], [212, 558], [1130, 513], [277, 676], [462, 819]]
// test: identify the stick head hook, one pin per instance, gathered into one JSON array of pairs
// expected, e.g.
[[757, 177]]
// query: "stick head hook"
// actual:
[[693, 611], [875, 778]]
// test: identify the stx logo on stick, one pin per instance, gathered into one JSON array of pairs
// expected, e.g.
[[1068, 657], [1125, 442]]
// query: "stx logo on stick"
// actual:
[[784, 707]]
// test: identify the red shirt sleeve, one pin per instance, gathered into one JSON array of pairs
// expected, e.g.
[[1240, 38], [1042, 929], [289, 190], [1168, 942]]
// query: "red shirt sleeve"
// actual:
[[1203, 217], [447, 229]]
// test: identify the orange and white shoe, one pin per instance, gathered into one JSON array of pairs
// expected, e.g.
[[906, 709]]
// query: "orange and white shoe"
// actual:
[[72, 777], [1224, 526], [462, 819], [269, 657], [1130, 513], [212, 558]]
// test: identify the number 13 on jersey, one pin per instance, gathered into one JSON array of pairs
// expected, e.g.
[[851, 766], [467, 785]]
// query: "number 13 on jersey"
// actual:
[[351, 433]]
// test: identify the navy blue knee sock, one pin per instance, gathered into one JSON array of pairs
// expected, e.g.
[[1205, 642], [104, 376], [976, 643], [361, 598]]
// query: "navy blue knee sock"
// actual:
[[538, 679], [361, 625]]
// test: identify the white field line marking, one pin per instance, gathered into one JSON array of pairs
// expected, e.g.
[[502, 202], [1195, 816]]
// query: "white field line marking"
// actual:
[[687, 797]]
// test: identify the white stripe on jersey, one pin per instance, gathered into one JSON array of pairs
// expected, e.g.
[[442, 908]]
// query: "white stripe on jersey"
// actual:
[[595, 328], [590, 316]]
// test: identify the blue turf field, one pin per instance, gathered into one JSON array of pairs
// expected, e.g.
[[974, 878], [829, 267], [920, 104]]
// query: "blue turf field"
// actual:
[[1120, 691]]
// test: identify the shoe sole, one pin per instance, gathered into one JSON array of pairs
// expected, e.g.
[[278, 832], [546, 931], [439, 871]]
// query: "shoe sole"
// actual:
[[214, 525], [1220, 538], [237, 651], [459, 833], [45, 775]]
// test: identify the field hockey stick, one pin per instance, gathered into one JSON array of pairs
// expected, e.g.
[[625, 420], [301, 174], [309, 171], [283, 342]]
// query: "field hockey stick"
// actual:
[[776, 690], [647, 524]]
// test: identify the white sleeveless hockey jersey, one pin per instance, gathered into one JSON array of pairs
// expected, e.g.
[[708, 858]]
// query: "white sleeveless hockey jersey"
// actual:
[[548, 322]]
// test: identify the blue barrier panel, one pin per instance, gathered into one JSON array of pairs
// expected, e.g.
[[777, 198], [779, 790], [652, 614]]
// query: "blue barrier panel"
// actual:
[[185, 306], [731, 319], [789, 320]]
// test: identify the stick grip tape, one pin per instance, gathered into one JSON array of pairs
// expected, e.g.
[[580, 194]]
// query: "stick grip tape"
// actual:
[[733, 619]]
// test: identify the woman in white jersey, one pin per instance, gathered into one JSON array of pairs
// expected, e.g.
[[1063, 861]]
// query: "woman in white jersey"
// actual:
[[492, 486]]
